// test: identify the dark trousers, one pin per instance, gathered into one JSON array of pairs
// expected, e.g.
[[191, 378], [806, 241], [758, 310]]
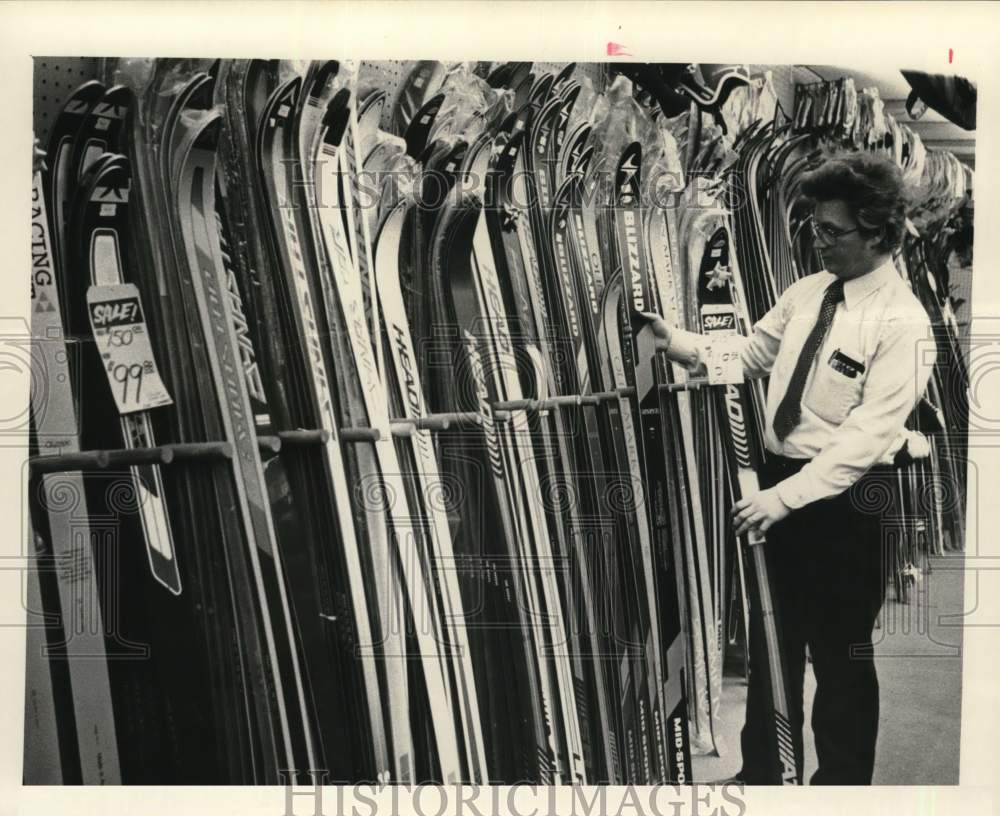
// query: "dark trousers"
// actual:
[[828, 583]]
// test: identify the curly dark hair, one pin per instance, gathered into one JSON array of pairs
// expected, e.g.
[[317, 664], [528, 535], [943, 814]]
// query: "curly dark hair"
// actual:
[[871, 186]]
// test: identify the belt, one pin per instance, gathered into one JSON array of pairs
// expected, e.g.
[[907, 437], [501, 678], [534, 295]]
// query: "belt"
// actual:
[[776, 462], [787, 465], [776, 468]]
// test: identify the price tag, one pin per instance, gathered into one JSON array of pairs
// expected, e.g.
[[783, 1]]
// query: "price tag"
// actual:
[[724, 364], [119, 327]]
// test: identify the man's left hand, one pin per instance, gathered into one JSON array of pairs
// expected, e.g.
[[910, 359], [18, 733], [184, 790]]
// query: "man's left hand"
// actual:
[[758, 511]]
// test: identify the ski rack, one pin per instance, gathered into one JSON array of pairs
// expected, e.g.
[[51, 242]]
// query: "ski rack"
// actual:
[[576, 400], [268, 444], [398, 427], [272, 444], [103, 459]]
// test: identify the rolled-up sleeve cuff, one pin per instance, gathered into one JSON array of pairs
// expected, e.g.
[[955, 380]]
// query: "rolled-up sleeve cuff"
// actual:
[[794, 491], [685, 348]]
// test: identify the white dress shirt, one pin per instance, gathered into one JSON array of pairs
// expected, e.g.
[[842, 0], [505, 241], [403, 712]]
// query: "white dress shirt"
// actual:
[[865, 380]]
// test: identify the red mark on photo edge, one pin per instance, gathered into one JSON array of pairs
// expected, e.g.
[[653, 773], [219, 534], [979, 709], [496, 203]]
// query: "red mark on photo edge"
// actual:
[[951, 54], [617, 50]]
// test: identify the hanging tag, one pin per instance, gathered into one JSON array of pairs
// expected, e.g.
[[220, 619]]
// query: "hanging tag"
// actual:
[[119, 327], [723, 361], [722, 351]]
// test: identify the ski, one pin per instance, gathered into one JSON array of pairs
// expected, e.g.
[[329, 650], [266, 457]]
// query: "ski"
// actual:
[[718, 302], [284, 706], [43, 761], [102, 236], [657, 454], [65, 521], [704, 630], [418, 445], [224, 744], [61, 176]]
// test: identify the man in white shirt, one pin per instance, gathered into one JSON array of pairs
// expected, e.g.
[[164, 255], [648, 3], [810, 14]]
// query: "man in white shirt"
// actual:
[[849, 352]]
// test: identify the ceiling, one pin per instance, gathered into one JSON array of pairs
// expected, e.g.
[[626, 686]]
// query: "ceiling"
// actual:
[[934, 130]]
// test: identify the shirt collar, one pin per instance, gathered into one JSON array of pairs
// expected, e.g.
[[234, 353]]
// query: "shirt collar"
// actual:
[[857, 289]]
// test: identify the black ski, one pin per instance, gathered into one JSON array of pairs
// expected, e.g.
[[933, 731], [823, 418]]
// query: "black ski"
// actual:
[[744, 449]]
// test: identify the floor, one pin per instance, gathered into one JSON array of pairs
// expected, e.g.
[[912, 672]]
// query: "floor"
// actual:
[[919, 664]]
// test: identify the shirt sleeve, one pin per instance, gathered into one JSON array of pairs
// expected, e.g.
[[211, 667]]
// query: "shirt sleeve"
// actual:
[[897, 376], [758, 351], [761, 347]]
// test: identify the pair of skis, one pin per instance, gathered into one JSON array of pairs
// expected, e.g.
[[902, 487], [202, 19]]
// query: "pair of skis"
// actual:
[[721, 295], [69, 722]]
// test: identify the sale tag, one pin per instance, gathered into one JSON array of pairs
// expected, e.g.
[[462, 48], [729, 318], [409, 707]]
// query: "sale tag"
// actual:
[[723, 360], [119, 327]]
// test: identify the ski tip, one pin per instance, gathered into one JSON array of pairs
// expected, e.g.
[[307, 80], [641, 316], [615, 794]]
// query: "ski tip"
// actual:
[[326, 72], [336, 118]]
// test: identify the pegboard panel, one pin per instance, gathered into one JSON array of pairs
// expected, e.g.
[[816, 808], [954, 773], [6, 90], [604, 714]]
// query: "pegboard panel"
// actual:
[[54, 79]]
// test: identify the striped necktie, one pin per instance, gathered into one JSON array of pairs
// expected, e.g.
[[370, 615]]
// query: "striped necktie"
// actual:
[[790, 410]]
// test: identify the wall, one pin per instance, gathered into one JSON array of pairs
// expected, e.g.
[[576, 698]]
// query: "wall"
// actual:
[[54, 80]]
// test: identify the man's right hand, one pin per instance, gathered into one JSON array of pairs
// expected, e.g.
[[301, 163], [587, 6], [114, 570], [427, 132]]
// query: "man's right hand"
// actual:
[[661, 331]]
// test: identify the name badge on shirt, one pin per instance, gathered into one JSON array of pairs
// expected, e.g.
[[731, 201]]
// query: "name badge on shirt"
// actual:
[[843, 364]]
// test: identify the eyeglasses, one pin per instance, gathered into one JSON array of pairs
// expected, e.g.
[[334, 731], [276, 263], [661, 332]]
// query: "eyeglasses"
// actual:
[[828, 234]]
